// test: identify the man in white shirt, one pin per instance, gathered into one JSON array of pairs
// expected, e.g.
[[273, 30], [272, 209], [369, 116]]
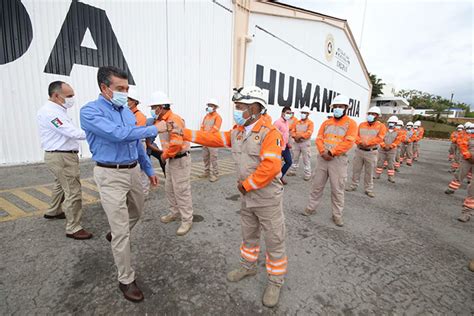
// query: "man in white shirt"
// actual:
[[60, 141]]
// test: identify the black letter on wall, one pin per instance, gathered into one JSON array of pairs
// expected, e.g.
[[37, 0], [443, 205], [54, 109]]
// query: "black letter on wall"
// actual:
[[281, 86], [270, 86], [302, 99], [67, 50], [16, 32]]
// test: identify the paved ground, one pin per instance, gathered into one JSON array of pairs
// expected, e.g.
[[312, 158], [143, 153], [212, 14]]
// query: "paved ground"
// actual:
[[403, 252]]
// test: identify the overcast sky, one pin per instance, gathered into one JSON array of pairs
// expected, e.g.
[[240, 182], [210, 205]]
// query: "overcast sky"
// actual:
[[417, 44]]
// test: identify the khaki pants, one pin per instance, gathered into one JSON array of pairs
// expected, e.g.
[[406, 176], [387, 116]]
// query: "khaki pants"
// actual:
[[67, 188], [452, 150], [336, 171], [468, 205], [367, 160], [406, 152], [209, 156], [121, 195], [145, 183], [397, 158], [271, 220], [460, 174], [389, 156], [416, 147], [304, 150], [178, 187], [292, 143]]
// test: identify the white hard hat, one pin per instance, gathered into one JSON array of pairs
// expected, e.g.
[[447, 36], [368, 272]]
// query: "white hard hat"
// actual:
[[305, 111], [158, 98], [467, 124], [375, 109], [410, 123], [133, 94], [341, 99], [213, 101], [400, 122], [417, 123], [393, 119], [249, 95], [461, 126]]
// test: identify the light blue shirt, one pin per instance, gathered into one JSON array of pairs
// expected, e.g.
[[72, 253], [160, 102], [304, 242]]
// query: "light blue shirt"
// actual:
[[113, 136]]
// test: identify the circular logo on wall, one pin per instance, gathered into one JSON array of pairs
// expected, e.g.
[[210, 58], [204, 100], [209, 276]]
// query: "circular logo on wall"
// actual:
[[329, 47]]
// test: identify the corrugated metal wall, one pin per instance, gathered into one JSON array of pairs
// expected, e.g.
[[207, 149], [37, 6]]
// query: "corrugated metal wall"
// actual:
[[181, 47]]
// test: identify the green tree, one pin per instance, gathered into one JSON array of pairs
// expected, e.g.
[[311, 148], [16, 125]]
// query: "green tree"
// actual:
[[377, 85]]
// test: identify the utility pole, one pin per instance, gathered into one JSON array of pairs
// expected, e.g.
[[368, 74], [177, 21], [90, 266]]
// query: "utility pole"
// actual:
[[363, 24]]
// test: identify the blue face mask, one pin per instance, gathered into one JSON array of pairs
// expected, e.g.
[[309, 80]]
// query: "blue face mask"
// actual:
[[370, 118], [119, 98], [338, 112], [209, 109], [239, 117], [153, 114]]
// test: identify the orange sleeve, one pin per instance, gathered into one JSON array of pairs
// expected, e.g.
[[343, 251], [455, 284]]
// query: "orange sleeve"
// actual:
[[309, 131], [208, 139], [348, 141], [380, 136], [358, 140], [413, 137], [463, 144], [141, 119], [176, 141], [217, 123], [397, 141], [320, 138], [453, 137], [270, 165], [422, 133]]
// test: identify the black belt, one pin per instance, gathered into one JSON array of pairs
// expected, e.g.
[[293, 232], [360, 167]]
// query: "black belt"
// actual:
[[105, 165], [63, 151], [368, 149], [181, 155]]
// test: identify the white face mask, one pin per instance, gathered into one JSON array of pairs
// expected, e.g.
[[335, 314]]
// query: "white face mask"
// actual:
[[304, 116], [68, 102], [287, 117]]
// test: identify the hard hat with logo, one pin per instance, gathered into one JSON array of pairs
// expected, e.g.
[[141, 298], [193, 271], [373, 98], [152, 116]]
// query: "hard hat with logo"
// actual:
[[133, 94], [461, 126], [410, 124], [400, 123], [249, 95], [213, 101], [392, 119], [375, 109], [341, 99], [417, 123], [159, 98]]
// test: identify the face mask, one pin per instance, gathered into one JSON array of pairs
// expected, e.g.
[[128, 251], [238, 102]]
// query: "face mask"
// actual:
[[391, 125], [68, 102], [209, 109], [470, 131], [287, 117], [398, 127], [304, 116], [119, 98], [153, 114], [338, 112], [370, 118], [408, 127], [239, 117]]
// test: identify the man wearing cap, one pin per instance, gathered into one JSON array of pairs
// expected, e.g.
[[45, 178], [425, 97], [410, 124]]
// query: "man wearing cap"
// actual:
[[114, 142], [256, 149], [336, 137], [370, 135], [60, 141], [301, 134], [133, 101], [211, 123], [178, 165]]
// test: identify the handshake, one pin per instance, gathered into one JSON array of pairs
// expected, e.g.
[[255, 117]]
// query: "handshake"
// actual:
[[168, 127]]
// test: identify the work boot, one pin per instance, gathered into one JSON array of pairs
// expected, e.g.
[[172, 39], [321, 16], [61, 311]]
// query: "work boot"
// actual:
[[184, 228], [168, 218], [238, 274], [308, 212], [131, 292], [464, 218], [471, 265], [409, 164], [338, 220], [390, 179], [449, 191], [370, 194], [307, 178], [203, 175], [271, 295], [213, 178], [291, 173], [350, 189]]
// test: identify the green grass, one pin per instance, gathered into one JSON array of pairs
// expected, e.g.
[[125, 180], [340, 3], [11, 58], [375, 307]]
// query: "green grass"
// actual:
[[441, 127]]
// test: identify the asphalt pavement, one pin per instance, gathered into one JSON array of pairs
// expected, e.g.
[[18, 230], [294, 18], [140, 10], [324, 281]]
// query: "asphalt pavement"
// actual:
[[402, 252]]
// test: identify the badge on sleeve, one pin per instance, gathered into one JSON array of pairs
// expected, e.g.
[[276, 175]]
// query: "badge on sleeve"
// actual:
[[57, 122]]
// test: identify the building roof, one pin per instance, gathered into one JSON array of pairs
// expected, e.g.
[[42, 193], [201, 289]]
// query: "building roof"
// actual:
[[400, 101]]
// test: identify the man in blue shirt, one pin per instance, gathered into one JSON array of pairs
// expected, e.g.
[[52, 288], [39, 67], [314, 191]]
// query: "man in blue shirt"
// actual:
[[114, 141]]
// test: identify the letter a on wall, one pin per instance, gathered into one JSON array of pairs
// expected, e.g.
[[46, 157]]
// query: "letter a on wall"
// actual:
[[68, 51]]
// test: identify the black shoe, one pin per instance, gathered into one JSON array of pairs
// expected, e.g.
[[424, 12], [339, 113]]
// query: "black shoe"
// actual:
[[131, 292], [59, 216]]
